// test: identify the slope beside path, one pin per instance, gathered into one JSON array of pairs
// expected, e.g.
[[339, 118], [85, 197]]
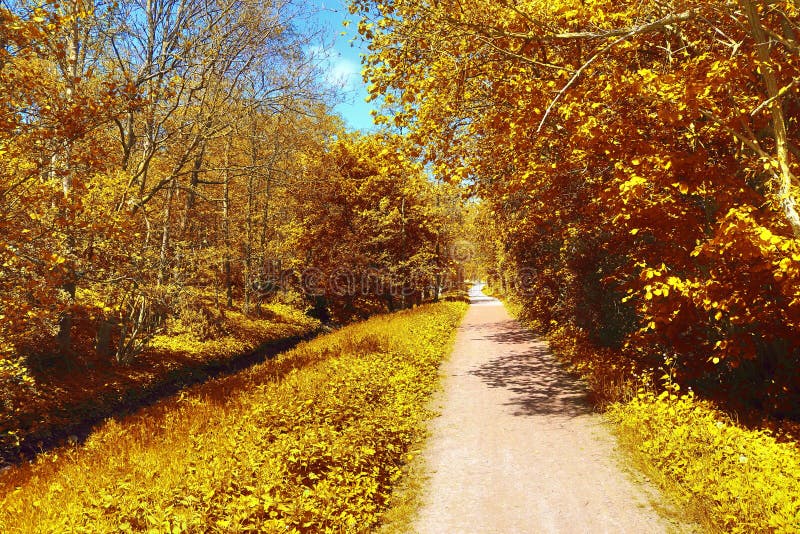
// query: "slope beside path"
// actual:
[[517, 447]]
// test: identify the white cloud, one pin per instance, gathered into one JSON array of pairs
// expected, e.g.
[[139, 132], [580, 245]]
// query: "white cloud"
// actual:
[[344, 73], [337, 71]]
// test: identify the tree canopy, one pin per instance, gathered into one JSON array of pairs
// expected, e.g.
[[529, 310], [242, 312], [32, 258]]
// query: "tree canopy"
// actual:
[[637, 162], [165, 157]]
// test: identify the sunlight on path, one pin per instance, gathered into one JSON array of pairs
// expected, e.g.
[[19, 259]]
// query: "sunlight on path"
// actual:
[[517, 448]]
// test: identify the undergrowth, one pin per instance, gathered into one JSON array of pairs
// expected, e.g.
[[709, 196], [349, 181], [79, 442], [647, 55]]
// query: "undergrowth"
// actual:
[[731, 478], [39, 400], [312, 441], [727, 477]]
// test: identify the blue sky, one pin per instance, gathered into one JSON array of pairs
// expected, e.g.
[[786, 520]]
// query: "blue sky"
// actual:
[[343, 63]]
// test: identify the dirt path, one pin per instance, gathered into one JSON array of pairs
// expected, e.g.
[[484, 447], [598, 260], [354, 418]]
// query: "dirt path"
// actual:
[[517, 449]]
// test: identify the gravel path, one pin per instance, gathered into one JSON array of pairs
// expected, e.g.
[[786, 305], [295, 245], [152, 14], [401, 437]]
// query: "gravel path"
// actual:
[[517, 449]]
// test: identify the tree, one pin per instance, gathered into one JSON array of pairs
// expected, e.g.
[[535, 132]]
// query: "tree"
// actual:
[[372, 233], [639, 162], [115, 178], [52, 106]]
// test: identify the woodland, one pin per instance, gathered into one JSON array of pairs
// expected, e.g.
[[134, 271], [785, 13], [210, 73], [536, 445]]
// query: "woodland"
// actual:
[[637, 163], [176, 191], [169, 169]]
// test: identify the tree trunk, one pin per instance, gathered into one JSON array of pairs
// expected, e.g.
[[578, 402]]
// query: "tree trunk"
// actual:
[[68, 288], [784, 177], [226, 225], [251, 197], [165, 233], [102, 344], [191, 195]]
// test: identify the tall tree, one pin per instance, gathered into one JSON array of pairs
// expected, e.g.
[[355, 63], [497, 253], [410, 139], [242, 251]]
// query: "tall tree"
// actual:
[[639, 161]]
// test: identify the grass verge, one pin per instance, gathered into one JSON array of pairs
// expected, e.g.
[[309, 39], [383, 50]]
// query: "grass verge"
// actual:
[[314, 440], [731, 479]]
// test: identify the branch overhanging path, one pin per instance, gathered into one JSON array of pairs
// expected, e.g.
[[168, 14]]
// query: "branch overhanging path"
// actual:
[[517, 447]]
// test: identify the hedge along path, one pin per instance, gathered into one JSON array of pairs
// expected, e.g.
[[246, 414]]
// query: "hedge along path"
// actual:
[[517, 447], [312, 441]]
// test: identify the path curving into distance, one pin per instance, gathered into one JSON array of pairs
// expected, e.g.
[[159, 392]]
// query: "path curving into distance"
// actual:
[[517, 449]]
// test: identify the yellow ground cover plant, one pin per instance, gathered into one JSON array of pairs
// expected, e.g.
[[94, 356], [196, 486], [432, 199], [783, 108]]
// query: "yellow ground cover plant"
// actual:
[[312, 441], [734, 479]]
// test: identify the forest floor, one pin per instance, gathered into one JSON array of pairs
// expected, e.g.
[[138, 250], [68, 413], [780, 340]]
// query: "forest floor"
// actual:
[[67, 397], [518, 448]]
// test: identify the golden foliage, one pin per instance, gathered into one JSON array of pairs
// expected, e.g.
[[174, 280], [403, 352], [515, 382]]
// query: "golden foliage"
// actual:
[[313, 441], [42, 398], [738, 480], [610, 141]]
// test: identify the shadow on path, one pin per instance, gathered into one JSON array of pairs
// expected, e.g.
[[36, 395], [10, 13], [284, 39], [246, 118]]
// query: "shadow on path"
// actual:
[[525, 366]]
